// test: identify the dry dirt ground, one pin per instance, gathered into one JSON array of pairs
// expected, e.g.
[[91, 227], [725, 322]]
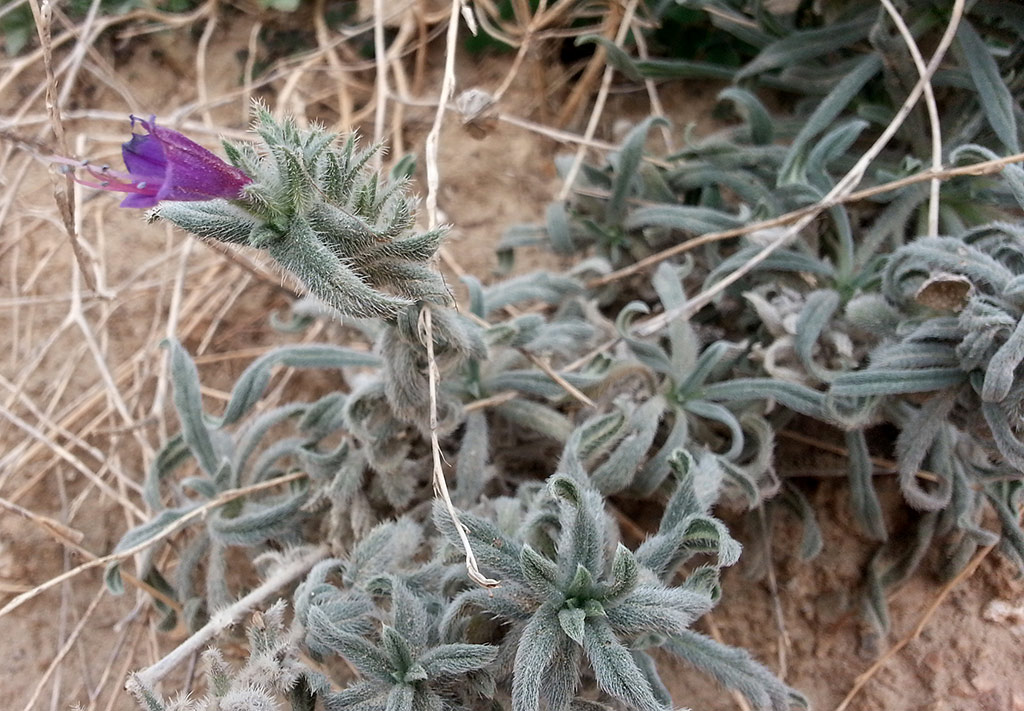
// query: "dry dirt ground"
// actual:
[[83, 396]]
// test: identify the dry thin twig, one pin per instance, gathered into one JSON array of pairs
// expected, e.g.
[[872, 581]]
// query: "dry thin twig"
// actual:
[[926, 616], [43, 12], [69, 643], [602, 96], [842, 188], [988, 167], [168, 530], [222, 619], [933, 114], [440, 484], [426, 325]]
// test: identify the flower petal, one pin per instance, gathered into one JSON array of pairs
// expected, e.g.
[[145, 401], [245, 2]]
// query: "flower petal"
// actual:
[[192, 172], [144, 157]]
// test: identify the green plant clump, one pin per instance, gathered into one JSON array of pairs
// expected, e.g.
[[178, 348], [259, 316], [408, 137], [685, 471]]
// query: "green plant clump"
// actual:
[[666, 384]]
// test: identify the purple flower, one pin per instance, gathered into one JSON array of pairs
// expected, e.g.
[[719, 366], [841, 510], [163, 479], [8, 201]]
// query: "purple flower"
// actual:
[[165, 165]]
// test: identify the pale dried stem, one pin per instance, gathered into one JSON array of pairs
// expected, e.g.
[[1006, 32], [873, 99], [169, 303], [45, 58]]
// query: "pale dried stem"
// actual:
[[440, 484], [168, 530], [108, 668], [555, 376], [380, 52], [844, 187], [69, 643], [657, 108], [72, 459], [582, 87], [987, 167], [337, 73], [42, 12], [933, 114], [888, 465], [926, 616], [602, 96], [222, 619], [492, 401], [202, 87], [785, 643], [434, 135]]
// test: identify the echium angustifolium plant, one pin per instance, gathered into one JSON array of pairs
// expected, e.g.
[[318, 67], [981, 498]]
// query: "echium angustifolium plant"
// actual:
[[864, 318], [575, 607]]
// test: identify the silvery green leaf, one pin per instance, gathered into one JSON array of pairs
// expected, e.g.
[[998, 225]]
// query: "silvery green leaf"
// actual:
[[472, 470], [329, 278], [597, 434], [999, 418], [658, 68], [457, 658], [212, 219], [618, 470], [616, 57], [996, 100], [562, 677], [559, 229], [699, 480], [668, 284], [815, 316], [535, 382], [863, 497], [1006, 500], [686, 218], [400, 655], [811, 542], [188, 401], [832, 146], [710, 359], [919, 436], [533, 655], [582, 521], [541, 286], [400, 698], [494, 550], [616, 672], [1001, 373], [784, 260], [409, 614], [112, 579], [162, 520], [626, 165], [653, 473], [169, 457], [625, 573], [362, 654], [572, 623], [649, 668], [828, 110], [719, 413], [537, 417], [539, 572], [895, 382], [736, 669], [803, 45], [651, 355], [753, 111], [582, 583], [355, 697]]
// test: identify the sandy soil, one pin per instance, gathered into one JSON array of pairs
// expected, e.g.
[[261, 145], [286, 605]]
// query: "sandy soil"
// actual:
[[61, 417]]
